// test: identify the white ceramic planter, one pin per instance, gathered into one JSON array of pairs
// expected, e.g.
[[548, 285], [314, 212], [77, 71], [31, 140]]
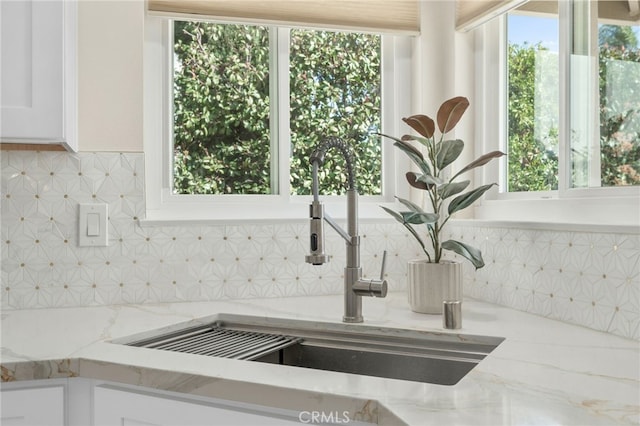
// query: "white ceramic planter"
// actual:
[[429, 284]]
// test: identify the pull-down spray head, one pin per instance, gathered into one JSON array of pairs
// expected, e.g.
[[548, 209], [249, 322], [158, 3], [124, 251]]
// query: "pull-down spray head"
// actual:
[[316, 208], [316, 217]]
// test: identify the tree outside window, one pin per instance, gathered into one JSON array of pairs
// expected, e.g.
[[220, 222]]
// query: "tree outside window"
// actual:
[[533, 98], [223, 108]]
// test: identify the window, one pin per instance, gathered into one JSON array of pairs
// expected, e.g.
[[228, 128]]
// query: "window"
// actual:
[[567, 114], [221, 109], [605, 94], [335, 89], [224, 141], [604, 100], [532, 103], [245, 105]]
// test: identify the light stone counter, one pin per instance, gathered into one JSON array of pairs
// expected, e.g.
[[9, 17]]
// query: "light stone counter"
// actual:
[[544, 373]]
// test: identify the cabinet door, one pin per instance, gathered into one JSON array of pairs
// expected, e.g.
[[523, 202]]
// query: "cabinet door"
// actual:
[[33, 407], [38, 71], [114, 406]]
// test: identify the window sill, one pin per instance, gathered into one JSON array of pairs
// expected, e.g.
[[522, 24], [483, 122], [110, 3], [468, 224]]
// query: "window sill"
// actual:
[[608, 215], [548, 226], [183, 213]]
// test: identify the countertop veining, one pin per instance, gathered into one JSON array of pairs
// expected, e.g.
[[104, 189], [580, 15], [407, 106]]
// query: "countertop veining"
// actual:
[[545, 372]]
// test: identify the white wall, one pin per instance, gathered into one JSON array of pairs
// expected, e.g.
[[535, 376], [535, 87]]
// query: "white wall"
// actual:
[[110, 43], [110, 70]]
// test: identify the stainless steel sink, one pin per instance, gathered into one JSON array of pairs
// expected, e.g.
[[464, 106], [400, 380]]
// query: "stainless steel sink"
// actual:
[[431, 357]]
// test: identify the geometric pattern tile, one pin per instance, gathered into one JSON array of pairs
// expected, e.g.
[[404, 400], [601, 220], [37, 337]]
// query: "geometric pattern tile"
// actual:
[[589, 279]]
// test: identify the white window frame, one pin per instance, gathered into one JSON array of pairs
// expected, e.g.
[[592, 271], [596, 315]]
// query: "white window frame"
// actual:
[[163, 207], [589, 207]]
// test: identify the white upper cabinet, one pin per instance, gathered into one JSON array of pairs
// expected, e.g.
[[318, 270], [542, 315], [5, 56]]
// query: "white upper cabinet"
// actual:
[[38, 61]]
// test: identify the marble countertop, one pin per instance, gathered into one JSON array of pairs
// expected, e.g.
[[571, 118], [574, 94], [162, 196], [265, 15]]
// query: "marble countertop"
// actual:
[[544, 373]]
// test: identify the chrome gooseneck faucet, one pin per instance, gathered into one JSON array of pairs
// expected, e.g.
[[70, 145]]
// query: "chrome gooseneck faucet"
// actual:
[[354, 285]]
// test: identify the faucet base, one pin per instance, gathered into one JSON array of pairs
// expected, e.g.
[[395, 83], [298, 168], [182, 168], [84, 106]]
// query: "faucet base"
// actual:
[[352, 319]]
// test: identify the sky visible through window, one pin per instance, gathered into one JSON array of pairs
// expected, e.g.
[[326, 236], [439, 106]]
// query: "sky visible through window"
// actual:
[[544, 30], [531, 30]]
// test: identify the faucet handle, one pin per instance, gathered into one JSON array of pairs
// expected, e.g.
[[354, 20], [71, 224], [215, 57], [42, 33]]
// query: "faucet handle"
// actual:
[[384, 265], [375, 288]]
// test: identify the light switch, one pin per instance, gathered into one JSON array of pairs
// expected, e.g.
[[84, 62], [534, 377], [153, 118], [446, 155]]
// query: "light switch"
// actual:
[[92, 223]]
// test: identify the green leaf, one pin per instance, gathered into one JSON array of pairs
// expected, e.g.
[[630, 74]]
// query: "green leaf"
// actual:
[[395, 215], [450, 113], [465, 200], [480, 161], [428, 179], [411, 205], [419, 218], [471, 253], [449, 189], [424, 141], [448, 151], [415, 155], [409, 228]]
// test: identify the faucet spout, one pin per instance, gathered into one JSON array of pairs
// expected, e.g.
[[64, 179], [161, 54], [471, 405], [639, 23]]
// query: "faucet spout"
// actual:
[[354, 285]]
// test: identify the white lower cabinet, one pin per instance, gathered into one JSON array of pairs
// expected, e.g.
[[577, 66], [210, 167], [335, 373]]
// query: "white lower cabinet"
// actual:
[[114, 406], [33, 406], [84, 402]]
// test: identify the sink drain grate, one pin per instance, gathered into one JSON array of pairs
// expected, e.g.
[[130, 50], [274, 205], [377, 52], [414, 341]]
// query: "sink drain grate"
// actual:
[[221, 342]]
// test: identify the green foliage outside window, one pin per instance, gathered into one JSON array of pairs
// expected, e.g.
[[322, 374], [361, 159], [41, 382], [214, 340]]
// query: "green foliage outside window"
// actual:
[[620, 114], [335, 91], [222, 108], [533, 161]]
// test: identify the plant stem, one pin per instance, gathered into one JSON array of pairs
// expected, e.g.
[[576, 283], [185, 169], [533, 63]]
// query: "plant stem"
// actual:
[[417, 237]]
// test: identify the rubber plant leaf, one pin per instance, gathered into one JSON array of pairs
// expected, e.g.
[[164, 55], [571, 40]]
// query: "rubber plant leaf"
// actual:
[[450, 113], [410, 228], [419, 218], [395, 215], [404, 146], [422, 124], [416, 208], [465, 200], [473, 254], [410, 204], [450, 189], [423, 141], [448, 151], [480, 161], [412, 178], [415, 155], [428, 179]]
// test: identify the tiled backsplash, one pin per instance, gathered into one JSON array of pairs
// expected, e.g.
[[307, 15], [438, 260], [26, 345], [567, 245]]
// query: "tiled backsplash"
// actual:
[[42, 265], [591, 279]]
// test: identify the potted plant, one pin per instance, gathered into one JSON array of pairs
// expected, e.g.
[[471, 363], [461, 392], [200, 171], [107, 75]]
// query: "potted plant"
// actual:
[[434, 279]]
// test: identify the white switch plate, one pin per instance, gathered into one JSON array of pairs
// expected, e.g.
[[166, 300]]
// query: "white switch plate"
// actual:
[[85, 239]]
